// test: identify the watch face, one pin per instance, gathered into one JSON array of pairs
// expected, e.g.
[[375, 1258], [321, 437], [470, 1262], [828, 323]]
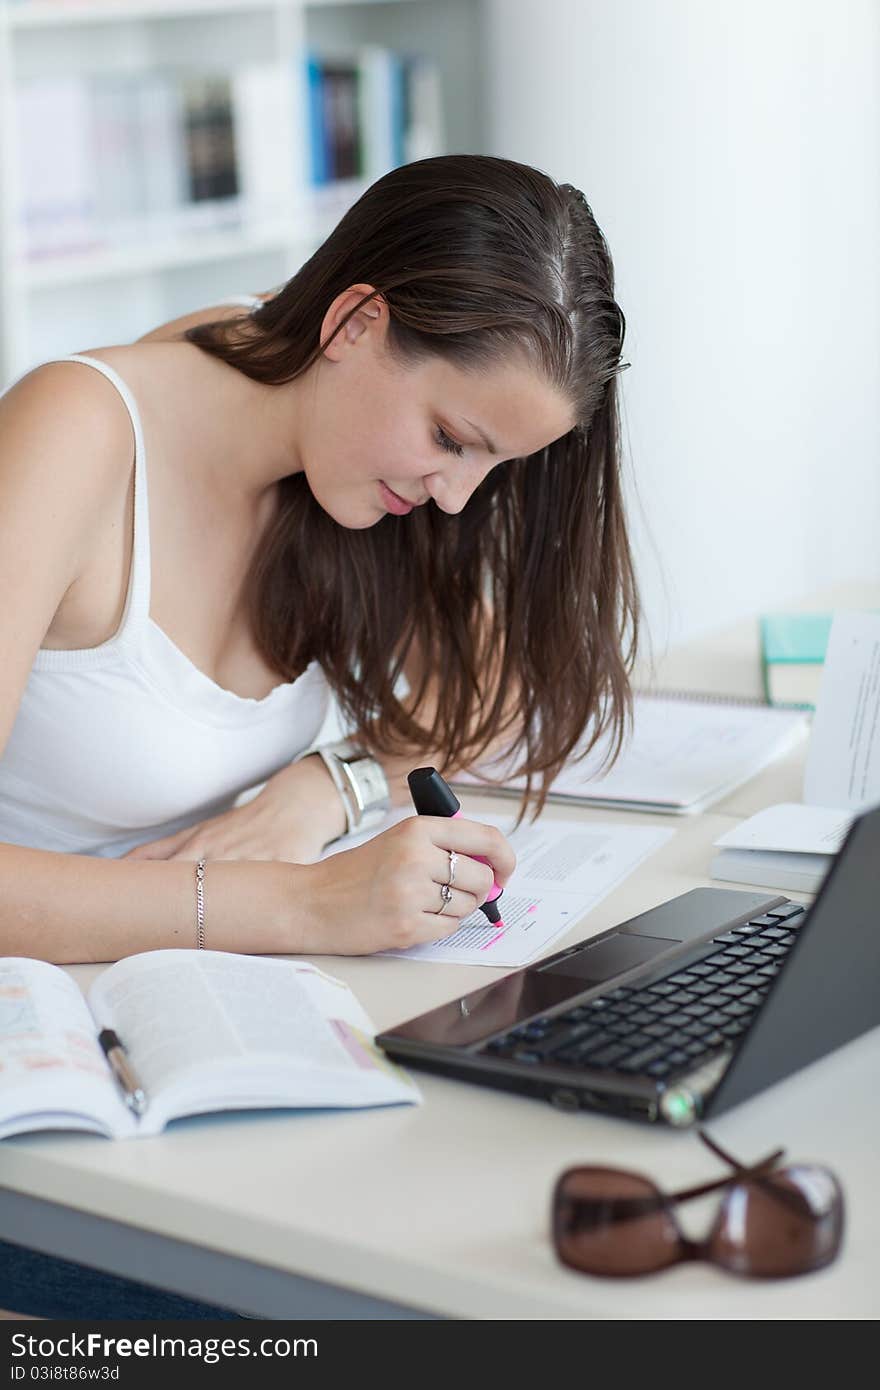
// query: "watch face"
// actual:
[[372, 779]]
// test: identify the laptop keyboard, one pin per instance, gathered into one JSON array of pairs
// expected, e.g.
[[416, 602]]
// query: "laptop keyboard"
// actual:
[[673, 1024]]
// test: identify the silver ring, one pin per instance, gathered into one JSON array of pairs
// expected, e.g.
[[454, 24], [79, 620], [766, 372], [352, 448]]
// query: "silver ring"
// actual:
[[453, 860], [446, 895]]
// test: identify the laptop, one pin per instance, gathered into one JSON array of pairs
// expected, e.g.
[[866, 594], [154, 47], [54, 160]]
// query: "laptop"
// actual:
[[682, 1012]]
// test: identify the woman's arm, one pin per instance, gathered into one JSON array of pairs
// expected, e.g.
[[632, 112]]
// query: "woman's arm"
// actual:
[[67, 907]]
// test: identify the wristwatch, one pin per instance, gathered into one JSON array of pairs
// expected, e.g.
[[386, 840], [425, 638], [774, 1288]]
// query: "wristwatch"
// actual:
[[361, 782]]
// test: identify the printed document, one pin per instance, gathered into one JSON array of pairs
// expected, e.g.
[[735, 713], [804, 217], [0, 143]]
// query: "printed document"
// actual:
[[842, 775], [564, 868]]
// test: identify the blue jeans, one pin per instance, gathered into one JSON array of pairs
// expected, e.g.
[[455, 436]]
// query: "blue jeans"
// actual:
[[47, 1287]]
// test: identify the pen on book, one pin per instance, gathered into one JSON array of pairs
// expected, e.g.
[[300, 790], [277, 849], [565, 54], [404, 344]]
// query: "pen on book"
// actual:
[[434, 797], [126, 1078]]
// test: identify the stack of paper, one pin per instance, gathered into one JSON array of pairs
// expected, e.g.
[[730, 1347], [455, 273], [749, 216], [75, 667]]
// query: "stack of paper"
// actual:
[[792, 846]]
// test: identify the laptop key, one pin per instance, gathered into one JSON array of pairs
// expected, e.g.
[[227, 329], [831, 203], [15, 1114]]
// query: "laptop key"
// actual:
[[753, 999], [607, 1056], [656, 1030], [659, 1069], [661, 987], [682, 996], [663, 1007], [728, 938], [682, 978], [639, 1060], [716, 1018], [734, 1027], [786, 911], [697, 1029], [765, 921], [677, 1057]]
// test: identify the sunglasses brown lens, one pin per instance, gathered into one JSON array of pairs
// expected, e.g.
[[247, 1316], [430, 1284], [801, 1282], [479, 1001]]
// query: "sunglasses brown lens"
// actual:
[[788, 1223], [606, 1222]]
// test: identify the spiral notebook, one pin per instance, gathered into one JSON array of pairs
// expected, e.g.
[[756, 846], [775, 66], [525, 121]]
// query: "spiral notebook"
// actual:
[[686, 751]]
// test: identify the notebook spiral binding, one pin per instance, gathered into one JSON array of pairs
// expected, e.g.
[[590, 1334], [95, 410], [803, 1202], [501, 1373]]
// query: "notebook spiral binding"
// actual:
[[713, 698]]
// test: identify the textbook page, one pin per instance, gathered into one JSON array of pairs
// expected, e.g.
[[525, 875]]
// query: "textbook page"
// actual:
[[209, 1030], [843, 764], [53, 1074], [564, 868]]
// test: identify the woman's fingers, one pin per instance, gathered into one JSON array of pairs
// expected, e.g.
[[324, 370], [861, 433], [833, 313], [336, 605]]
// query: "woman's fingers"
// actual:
[[470, 876], [470, 838], [458, 905]]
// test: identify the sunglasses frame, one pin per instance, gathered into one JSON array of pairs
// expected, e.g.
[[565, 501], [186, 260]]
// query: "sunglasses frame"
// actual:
[[758, 1175]]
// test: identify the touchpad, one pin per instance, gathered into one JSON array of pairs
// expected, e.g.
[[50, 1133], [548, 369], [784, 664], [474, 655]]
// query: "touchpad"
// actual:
[[608, 958]]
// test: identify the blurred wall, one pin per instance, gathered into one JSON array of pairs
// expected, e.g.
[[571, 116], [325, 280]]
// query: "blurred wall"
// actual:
[[730, 150]]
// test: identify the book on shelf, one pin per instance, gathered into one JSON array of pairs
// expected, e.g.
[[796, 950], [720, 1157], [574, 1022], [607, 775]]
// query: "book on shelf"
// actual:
[[685, 751], [210, 138], [202, 1031], [369, 110], [792, 845], [265, 130]]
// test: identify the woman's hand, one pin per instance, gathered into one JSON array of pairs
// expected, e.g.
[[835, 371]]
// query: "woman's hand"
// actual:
[[292, 818], [385, 894]]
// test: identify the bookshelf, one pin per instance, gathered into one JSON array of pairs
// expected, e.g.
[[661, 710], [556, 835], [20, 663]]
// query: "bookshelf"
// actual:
[[105, 270]]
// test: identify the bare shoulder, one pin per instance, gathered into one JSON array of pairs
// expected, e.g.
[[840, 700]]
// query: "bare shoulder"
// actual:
[[65, 431], [67, 402]]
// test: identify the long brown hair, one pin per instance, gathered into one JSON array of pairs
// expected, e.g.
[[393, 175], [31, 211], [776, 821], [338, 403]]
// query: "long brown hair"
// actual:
[[478, 259]]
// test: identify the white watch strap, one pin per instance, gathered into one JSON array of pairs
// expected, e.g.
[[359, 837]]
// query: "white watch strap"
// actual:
[[361, 782]]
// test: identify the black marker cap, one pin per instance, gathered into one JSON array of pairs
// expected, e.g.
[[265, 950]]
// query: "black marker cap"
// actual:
[[431, 795]]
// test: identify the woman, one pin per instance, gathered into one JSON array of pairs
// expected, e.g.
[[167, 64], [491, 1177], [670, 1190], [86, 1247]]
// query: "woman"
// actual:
[[396, 479], [405, 463]]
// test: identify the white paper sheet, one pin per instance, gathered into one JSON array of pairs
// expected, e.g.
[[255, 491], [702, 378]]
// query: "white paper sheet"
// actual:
[[564, 868], [843, 764], [791, 827]]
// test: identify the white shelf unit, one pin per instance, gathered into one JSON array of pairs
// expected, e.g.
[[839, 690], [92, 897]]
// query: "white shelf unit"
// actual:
[[68, 303]]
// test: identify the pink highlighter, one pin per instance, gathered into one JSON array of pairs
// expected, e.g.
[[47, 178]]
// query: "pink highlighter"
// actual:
[[434, 797]]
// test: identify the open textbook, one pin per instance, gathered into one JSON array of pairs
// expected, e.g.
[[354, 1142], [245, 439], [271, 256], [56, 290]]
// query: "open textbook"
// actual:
[[685, 752], [792, 845], [203, 1031], [564, 868]]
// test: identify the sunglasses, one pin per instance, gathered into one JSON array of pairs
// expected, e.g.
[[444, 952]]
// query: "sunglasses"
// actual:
[[773, 1222]]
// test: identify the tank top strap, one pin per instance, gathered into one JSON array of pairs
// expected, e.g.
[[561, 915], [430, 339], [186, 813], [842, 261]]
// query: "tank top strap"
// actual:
[[137, 599]]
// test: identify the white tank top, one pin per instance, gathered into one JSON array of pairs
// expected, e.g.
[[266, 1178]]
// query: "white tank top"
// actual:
[[126, 742]]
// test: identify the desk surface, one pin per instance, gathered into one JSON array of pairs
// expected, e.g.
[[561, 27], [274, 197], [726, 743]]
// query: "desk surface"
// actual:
[[444, 1208]]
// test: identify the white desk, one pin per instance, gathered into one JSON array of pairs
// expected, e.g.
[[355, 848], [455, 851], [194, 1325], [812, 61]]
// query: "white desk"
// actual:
[[443, 1210]]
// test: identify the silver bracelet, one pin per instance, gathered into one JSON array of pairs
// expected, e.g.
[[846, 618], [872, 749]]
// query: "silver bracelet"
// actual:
[[200, 905]]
